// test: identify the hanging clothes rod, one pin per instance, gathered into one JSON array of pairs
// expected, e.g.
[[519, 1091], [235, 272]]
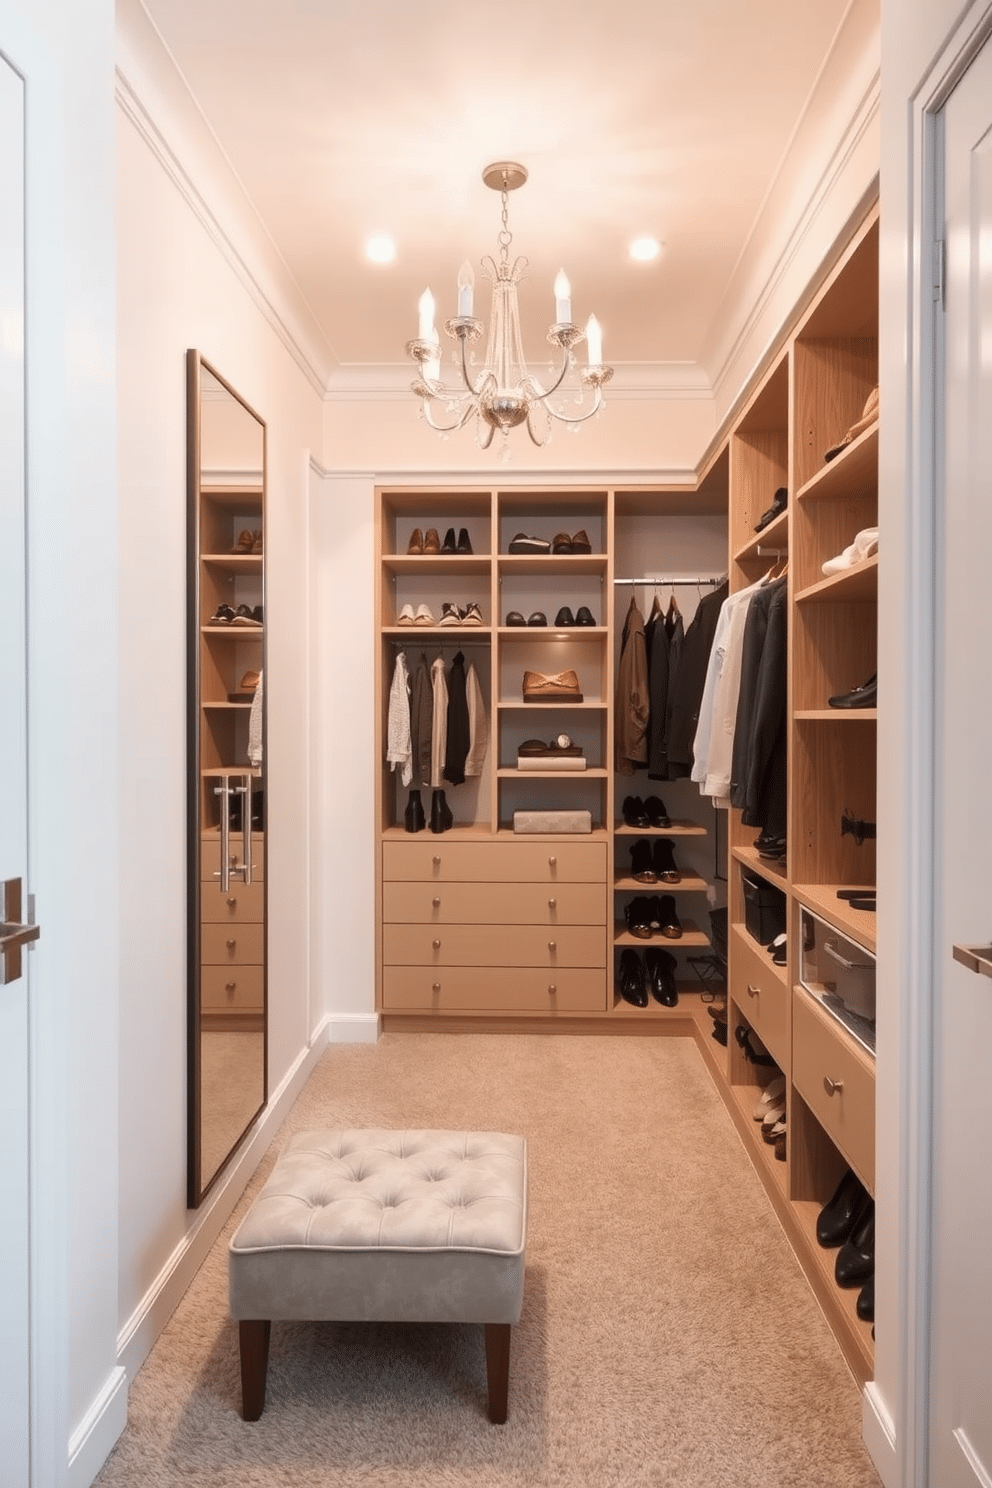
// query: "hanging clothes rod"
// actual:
[[650, 579]]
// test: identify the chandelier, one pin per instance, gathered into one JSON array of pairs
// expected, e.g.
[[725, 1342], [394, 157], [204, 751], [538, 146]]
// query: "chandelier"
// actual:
[[504, 392]]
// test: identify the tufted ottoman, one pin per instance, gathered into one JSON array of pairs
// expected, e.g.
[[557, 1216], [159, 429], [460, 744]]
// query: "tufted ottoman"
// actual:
[[385, 1226]]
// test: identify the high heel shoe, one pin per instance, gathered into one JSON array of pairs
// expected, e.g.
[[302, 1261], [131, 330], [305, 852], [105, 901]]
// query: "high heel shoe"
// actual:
[[664, 861], [413, 817], [441, 815]]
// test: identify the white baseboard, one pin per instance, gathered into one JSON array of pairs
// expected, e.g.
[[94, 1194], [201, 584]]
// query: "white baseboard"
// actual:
[[353, 1028], [879, 1434], [93, 1439], [137, 1337]]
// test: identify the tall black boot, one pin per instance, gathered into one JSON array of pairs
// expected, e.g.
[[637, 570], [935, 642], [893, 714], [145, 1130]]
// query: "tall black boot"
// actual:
[[413, 816], [441, 817]]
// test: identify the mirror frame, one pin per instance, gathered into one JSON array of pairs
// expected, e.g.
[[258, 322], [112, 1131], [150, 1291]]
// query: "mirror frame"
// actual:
[[198, 1183]]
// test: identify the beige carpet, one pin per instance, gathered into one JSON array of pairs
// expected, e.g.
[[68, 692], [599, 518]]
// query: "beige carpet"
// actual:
[[668, 1336]]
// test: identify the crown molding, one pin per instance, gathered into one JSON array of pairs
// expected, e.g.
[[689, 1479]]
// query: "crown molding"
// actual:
[[390, 382], [457, 479]]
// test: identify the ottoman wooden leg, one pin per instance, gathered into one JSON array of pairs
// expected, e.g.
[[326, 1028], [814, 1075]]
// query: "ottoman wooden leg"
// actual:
[[254, 1342], [497, 1369]]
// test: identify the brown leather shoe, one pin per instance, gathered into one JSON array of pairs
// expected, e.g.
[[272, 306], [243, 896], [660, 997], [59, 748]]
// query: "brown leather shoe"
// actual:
[[581, 543], [416, 543], [432, 543]]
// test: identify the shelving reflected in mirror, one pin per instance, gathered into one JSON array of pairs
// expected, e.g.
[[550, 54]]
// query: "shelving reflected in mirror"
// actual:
[[226, 981]]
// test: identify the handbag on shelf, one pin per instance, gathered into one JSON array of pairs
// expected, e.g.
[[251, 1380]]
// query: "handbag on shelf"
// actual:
[[561, 687]]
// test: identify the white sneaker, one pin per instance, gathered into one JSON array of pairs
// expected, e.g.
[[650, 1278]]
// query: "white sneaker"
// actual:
[[423, 616], [863, 546]]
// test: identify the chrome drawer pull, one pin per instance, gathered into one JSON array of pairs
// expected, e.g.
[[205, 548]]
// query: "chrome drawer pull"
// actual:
[[752, 991], [832, 1086]]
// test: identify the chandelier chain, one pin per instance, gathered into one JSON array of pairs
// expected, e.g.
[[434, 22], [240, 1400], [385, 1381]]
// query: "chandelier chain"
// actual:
[[505, 237]]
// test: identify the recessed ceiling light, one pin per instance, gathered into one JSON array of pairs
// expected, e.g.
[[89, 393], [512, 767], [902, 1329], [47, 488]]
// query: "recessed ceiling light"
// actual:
[[380, 248], [645, 249]]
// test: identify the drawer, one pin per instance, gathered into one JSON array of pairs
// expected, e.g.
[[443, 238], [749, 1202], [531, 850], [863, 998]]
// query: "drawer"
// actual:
[[824, 1056], [436, 860], [494, 904], [232, 945], [494, 945], [487, 989], [241, 905], [210, 855], [241, 991], [761, 996]]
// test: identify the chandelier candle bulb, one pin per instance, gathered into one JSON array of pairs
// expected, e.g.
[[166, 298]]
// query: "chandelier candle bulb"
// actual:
[[594, 340], [426, 308], [563, 299], [466, 284]]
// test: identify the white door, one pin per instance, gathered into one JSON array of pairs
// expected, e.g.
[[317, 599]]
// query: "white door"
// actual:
[[961, 1335], [14, 988]]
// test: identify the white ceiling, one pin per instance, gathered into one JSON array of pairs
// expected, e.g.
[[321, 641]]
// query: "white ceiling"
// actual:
[[665, 117]]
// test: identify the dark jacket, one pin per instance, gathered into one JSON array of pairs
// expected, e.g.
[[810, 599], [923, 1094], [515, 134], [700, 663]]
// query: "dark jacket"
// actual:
[[690, 682]]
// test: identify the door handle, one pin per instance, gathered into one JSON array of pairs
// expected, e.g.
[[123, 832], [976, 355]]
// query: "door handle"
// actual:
[[13, 934]]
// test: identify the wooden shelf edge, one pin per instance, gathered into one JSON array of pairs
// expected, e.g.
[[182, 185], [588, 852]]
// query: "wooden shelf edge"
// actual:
[[821, 899], [856, 583], [690, 884]]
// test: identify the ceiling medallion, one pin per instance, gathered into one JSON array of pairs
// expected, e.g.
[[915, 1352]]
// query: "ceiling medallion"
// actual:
[[504, 393]]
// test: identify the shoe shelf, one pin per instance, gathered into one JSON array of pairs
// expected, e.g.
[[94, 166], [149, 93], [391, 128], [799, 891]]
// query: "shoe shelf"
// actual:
[[656, 1011], [592, 772], [691, 937], [773, 869], [444, 565], [857, 583], [775, 535], [566, 633], [589, 705], [688, 884], [233, 632], [234, 563], [859, 924], [853, 473], [527, 565], [225, 705], [677, 829], [836, 715], [839, 1303]]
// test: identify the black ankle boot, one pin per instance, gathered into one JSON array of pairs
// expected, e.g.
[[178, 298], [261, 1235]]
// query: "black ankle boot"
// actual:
[[441, 817], [413, 817]]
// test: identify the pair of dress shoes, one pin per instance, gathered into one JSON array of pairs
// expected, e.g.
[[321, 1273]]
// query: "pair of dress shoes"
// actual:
[[645, 915], [779, 502], [654, 861], [770, 847], [247, 616], [452, 614], [657, 971], [847, 1222], [649, 813], [430, 542], [582, 616], [537, 618]]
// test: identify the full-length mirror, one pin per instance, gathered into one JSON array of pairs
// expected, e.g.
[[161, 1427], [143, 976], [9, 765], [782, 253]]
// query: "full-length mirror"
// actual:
[[227, 998]]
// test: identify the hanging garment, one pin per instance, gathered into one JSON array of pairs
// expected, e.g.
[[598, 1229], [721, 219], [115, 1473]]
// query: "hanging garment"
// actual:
[[676, 647], [755, 634], [255, 727], [421, 723], [478, 723], [761, 792], [439, 724], [399, 748], [691, 681], [714, 743], [631, 719], [657, 647], [457, 733]]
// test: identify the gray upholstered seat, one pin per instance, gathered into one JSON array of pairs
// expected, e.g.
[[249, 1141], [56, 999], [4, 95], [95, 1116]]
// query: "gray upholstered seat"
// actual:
[[374, 1225]]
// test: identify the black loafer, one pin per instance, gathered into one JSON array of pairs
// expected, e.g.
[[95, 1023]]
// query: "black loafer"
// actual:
[[515, 618], [779, 502], [538, 618], [464, 541], [856, 1257], [449, 545], [865, 696], [865, 1306], [564, 616], [837, 1218], [583, 616]]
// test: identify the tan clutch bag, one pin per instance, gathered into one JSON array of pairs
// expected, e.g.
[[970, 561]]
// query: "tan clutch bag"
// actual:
[[562, 687]]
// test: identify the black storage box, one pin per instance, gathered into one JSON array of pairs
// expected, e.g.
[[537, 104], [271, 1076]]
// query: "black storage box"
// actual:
[[764, 908]]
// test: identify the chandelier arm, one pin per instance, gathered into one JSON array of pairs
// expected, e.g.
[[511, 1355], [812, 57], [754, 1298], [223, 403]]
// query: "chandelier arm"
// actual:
[[459, 423], [469, 386], [566, 358], [579, 418]]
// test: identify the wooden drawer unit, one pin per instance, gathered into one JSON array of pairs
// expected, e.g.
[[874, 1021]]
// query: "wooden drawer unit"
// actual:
[[239, 906], [225, 991], [492, 903], [836, 1079], [490, 989], [761, 994], [494, 945], [232, 945], [437, 860]]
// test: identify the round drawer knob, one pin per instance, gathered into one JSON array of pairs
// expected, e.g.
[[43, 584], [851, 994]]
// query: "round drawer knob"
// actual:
[[552, 989], [436, 903], [435, 986], [436, 861], [229, 986], [436, 944], [230, 944], [832, 1086], [752, 991], [552, 862], [231, 903], [552, 903], [552, 946]]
